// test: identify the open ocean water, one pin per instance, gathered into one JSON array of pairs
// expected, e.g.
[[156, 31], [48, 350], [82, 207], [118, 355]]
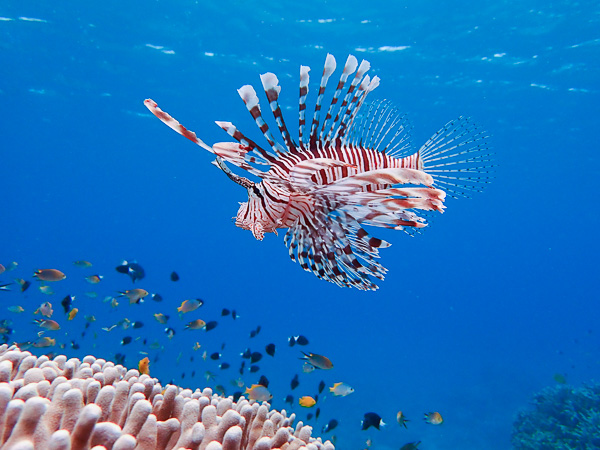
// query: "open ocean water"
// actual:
[[475, 315]]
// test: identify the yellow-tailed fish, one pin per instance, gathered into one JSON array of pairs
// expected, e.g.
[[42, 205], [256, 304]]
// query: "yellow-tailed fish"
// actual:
[[341, 389], [259, 393], [190, 305]]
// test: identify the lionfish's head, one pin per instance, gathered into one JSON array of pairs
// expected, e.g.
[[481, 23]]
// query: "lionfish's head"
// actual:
[[252, 216]]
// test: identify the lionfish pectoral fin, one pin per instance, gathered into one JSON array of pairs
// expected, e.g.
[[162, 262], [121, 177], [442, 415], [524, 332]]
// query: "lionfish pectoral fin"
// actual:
[[391, 176], [174, 125], [301, 173], [458, 158]]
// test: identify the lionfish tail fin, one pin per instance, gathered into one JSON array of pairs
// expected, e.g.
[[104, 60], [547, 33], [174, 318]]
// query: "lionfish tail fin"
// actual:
[[458, 158]]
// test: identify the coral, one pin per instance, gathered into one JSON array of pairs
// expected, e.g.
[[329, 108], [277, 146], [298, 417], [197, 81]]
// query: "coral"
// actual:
[[563, 417], [72, 404]]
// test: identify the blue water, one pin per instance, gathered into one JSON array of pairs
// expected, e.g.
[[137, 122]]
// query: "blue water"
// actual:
[[475, 315]]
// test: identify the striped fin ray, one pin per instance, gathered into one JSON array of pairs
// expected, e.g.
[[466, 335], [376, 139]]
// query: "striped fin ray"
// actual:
[[347, 108], [364, 88], [349, 68], [327, 252], [458, 158], [271, 85], [174, 125], [327, 71], [255, 153], [304, 78], [248, 95]]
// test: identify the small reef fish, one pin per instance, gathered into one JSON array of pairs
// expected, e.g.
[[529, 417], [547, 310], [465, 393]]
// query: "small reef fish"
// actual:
[[211, 325], [307, 401], [174, 276], [16, 309], [270, 349], [144, 366], [195, 324], [341, 389], [44, 342], [258, 393], [94, 279], [411, 446], [318, 361], [2, 269], [46, 290], [307, 367], [434, 418], [23, 283], [45, 310], [161, 318], [295, 382], [196, 346], [333, 423], [5, 287], [401, 418], [72, 313], [170, 332], [47, 324], [189, 305], [83, 264], [49, 275], [66, 303], [300, 340], [134, 295], [372, 419], [209, 375], [132, 269]]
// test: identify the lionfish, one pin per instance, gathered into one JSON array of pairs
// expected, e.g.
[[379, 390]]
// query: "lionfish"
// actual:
[[353, 169]]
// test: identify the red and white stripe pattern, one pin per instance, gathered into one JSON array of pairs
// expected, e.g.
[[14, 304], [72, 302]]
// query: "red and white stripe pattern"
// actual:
[[354, 169]]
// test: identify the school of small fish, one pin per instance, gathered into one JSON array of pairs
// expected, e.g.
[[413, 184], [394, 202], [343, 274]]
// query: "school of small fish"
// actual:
[[178, 316]]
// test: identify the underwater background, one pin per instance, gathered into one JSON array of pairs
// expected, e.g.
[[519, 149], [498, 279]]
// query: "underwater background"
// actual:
[[495, 301]]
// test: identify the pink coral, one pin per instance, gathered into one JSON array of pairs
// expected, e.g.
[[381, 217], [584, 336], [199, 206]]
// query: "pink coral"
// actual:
[[72, 404]]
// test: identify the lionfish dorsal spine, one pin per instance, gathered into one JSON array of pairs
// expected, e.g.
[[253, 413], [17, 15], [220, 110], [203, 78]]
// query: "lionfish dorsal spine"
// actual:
[[257, 154], [174, 124], [328, 69], [272, 89], [367, 85], [349, 68], [304, 79], [248, 95], [347, 108]]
